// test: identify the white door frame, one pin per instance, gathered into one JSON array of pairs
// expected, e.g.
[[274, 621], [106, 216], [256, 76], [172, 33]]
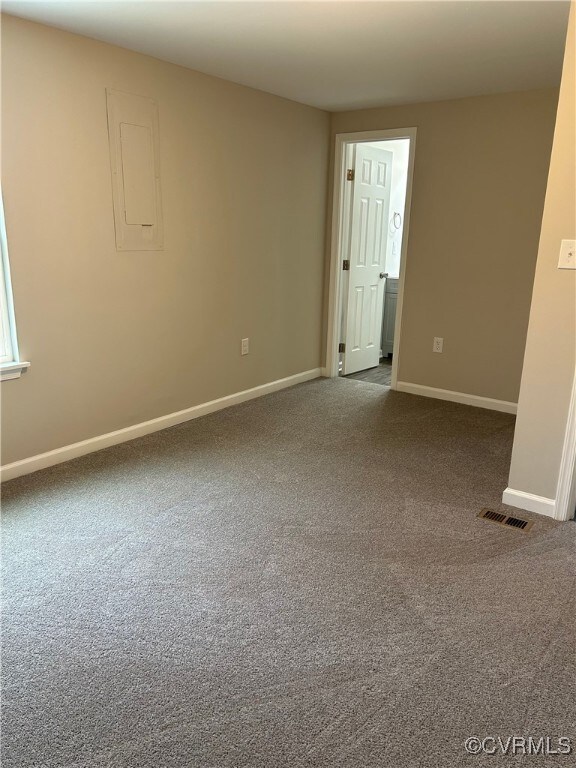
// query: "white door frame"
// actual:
[[566, 490], [339, 207]]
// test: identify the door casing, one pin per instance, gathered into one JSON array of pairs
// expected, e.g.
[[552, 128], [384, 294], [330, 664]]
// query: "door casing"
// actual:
[[340, 221]]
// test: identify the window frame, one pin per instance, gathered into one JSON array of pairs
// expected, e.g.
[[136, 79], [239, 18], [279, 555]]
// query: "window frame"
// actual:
[[11, 367]]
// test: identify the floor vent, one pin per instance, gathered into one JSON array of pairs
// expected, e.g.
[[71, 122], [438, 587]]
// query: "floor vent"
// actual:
[[503, 519]]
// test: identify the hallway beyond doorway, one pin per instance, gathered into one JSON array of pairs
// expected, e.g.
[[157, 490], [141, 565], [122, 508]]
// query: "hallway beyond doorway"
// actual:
[[381, 374]]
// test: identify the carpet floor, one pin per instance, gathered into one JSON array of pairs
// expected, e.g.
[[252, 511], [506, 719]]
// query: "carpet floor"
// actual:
[[297, 581]]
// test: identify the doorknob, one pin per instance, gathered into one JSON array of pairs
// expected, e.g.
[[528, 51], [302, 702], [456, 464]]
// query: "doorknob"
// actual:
[[383, 275]]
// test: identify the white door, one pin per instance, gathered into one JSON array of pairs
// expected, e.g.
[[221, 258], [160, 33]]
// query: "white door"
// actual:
[[368, 239]]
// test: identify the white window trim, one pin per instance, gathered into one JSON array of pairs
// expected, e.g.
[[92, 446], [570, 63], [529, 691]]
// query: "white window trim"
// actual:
[[11, 367], [12, 370]]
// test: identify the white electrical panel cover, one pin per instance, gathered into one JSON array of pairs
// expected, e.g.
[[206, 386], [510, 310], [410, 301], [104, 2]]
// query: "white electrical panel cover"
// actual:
[[134, 159]]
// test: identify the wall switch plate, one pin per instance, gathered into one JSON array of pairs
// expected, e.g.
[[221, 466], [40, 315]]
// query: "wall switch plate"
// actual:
[[245, 346], [567, 258], [438, 344]]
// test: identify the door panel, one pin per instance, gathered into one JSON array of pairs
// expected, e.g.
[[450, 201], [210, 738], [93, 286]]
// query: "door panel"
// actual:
[[358, 312], [368, 238]]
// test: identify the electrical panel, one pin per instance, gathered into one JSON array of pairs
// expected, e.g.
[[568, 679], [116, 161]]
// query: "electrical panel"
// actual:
[[134, 160]]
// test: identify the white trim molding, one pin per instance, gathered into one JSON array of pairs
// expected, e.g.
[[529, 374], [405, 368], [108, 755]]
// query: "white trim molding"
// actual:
[[10, 365], [12, 370], [457, 397], [561, 508], [566, 490], [73, 451], [530, 502]]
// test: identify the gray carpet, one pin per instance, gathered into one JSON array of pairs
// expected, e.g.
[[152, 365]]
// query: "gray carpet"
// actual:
[[296, 581]]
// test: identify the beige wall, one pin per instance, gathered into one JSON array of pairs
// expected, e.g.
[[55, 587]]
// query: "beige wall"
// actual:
[[549, 365], [118, 338], [479, 181]]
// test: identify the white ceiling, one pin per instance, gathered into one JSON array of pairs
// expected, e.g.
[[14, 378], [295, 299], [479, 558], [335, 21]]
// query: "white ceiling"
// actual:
[[335, 54]]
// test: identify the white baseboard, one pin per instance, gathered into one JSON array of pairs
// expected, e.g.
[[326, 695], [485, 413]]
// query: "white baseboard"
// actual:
[[457, 397], [67, 452], [530, 502]]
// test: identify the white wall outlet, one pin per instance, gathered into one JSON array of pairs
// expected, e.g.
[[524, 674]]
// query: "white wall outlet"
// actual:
[[567, 258], [244, 346], [438, 344]]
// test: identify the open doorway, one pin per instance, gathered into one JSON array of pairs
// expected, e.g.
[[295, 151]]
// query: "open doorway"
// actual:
[[372, 195]]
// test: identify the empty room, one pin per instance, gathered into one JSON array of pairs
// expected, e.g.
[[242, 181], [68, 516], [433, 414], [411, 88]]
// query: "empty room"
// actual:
[[288, 399]]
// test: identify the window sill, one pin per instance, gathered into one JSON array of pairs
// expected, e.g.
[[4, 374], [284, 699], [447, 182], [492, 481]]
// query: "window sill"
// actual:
[[12, 370]]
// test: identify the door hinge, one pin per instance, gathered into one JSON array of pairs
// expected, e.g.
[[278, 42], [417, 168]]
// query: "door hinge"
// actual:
[[341, 347], [346, 265], [350, 174]]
